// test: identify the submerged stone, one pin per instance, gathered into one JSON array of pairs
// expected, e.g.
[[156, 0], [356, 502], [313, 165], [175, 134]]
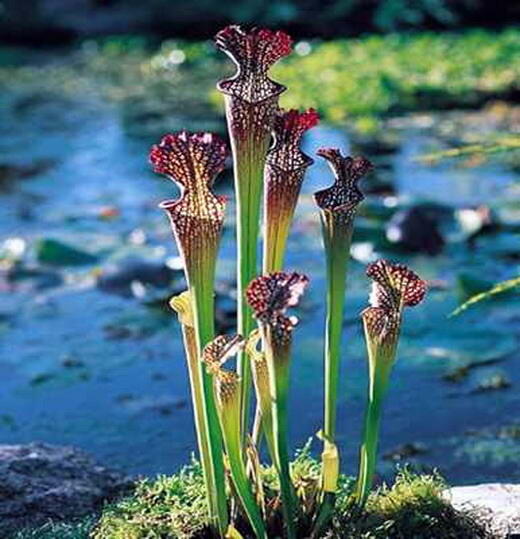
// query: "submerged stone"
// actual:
[[415, 230], [121, 278]]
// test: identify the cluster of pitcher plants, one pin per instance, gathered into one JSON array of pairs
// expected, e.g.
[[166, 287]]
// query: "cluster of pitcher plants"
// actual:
[[238, 409]]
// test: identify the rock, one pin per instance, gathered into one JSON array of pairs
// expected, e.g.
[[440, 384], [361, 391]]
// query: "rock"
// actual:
[[406, 451], [476, 222], [498, 505], [57, 253], [492, 383], [457, 374], [121, 278], [416, 230], [32, 277], [10, 173], [39, 482]]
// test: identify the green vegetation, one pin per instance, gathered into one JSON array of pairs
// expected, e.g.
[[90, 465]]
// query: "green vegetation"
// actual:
[[382, 74], [364, 78], [499, 288], [508, 143], [174, 507]]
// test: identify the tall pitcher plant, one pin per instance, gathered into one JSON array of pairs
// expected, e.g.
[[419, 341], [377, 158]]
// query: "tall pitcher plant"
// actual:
[[251, 99], [270, 165]]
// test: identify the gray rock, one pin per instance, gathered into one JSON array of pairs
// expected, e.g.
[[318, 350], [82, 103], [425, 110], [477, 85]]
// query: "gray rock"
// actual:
[[416, 230], [119, 278], [39, 482], [496, 504]]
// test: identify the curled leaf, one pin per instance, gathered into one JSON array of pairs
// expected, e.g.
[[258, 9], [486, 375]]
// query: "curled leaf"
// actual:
[[289, 128], [271, 295], [285, 169], [182, 305]]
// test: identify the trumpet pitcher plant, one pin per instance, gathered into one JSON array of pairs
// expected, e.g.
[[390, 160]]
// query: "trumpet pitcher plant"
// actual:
[[268, 161], [285, 169], [394, 287], [251, 99]]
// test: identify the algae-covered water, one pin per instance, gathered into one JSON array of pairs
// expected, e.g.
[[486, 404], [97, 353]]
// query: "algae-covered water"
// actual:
[[90, 355]]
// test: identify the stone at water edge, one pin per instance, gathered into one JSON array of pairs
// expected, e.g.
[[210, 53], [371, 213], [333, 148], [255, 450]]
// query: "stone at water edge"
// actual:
[[498, 502], [40, 482]]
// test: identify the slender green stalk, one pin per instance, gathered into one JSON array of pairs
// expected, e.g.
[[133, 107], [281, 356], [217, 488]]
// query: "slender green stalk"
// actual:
[[368, 453], [203, 306], [230, 421], [264, 415], [251, 99], [278, 365], [338, 205], [249, 170], [228, 399], [337, 250], [193, 161], [183, 306]]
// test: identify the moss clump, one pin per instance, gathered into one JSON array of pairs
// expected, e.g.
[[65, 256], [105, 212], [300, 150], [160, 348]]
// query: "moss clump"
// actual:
[[169, 506], [413, 507], [174, 507]]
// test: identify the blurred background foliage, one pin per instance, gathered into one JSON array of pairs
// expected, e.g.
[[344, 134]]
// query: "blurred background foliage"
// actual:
[[387, 75], [63, 20]]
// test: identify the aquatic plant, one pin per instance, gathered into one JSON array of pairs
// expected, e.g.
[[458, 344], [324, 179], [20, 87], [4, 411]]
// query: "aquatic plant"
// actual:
[[267, 158]]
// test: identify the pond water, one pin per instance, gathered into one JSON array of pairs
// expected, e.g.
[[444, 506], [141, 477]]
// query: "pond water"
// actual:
[[104, 370]]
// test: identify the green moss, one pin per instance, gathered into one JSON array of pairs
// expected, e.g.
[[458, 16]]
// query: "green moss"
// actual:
[[376, 75], [413, 507], [174, 506]]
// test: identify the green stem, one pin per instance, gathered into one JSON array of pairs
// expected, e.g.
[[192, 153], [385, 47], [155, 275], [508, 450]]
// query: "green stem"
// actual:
[[278, 364], [197, 397], [337, 249], [275, 240], [368, 454], [230, 421], [249, 160], [203, 309], [325, 514]]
